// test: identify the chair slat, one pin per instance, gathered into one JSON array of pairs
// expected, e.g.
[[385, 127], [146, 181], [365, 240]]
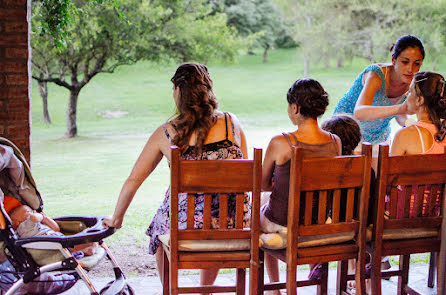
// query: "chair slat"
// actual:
[[322, 210], [223, 211], [240, 206], [407, 194], [190, 211], [308, 207], [430, 210], [419, 200], [350, 204], [336, 205], [393, 202], [207, 211]]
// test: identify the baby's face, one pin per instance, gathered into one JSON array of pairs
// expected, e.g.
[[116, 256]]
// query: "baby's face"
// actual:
[[19, 215]]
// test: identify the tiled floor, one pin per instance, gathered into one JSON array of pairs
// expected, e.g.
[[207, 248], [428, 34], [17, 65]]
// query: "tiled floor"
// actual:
[[151, 285]]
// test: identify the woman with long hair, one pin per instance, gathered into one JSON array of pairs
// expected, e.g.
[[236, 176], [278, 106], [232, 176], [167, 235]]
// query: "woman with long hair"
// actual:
[[202, 133]]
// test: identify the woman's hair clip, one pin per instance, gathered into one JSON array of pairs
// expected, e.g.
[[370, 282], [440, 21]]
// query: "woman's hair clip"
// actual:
[[442, 87], [416, 81], [440, 135]]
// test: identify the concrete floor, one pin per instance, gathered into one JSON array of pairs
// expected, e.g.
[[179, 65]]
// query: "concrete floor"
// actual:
[[151, 284]]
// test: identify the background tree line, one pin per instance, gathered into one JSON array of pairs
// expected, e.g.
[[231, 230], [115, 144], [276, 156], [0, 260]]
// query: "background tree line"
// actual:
[[74, 40]]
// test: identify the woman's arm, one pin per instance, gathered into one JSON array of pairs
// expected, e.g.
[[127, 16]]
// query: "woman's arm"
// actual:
[[147, 161], [365, 111], [269, 162], [239, 135]]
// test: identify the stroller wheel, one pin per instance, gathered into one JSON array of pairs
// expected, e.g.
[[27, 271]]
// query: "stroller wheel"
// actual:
[[127, 290]]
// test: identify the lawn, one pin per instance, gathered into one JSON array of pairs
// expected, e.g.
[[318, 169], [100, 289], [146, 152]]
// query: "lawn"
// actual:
[[117, 112]]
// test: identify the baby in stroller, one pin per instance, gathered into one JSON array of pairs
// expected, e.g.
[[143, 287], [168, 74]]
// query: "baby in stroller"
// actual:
[[36, 251], [29, 223]]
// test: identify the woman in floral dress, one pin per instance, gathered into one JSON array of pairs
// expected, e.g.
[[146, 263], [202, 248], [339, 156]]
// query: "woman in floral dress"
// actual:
[[202, 133]]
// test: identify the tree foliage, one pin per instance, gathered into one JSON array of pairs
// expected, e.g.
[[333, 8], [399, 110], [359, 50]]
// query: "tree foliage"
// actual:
[[343, 29], [260, 22], [99, 40]]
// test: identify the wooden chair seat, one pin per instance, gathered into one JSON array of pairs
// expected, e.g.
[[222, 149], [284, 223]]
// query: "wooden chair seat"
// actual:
[[405, 233], [306, 241], [208, 245]]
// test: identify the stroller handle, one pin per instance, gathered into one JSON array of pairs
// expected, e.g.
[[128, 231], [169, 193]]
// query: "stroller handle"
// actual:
[[94, 232]]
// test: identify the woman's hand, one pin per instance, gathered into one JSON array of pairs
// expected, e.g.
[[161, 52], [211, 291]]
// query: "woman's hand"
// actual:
[[111, 221]]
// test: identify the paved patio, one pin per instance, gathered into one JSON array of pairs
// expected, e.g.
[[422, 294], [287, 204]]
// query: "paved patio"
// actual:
[[151, 284]]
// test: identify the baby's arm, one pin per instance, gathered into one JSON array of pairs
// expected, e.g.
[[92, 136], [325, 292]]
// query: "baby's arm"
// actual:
[[41, 217]]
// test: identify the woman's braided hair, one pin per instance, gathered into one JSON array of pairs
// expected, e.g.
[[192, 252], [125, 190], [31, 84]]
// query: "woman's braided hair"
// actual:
[[309, 96], [196, 105], [432, 86]]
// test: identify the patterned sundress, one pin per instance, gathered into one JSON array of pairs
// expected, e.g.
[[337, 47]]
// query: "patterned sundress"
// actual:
[[224, 149], [375, 131]]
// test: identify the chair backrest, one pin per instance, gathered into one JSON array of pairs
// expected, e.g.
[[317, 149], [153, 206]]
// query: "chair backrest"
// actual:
[[334, 184], [229, 179], [410, 191]]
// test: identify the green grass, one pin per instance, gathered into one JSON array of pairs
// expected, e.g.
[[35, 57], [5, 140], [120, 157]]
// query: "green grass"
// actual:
[[84, 175]]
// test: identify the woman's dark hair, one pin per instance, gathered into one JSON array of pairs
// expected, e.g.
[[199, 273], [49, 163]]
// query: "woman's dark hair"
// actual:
[[196, 104], [432, 87], [309, 96], [405, 42], [348, 130]]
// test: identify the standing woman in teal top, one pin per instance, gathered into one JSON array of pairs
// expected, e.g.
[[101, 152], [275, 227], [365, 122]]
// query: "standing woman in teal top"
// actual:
[[378, 93]]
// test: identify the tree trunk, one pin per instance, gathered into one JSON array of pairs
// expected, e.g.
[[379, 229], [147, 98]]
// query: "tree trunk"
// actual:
[[326, 62], [306, 67], [265, 54], [71, 114], [43, 91], [340, 63]]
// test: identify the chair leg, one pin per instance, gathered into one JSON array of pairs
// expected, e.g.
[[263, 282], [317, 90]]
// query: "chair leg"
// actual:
[[173, 280], [291, 285], [404, 278], [376, 273], [241, 281], [341, 278], [254, 277], [261, 273], [432, 266], [322, 287], [165, 278]]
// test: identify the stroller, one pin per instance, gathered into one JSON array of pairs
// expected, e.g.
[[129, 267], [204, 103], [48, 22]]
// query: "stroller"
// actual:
[[38, 262]]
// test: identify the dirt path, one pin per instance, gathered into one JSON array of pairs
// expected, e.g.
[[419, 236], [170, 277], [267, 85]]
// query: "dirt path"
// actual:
[[133, 259]]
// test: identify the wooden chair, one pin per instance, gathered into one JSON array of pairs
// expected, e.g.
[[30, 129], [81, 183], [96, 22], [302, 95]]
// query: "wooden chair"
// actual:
[[211, 248], [408, 218], [309, 238]]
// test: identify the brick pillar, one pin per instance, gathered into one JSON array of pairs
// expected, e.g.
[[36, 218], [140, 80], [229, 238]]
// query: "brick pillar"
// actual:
[[15, 73]]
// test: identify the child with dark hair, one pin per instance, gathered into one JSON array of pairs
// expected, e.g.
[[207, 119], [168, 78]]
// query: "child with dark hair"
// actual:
[[348, 130], [307, 100]]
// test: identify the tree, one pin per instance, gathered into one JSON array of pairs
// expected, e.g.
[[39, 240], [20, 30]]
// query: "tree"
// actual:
[[260, 22], [99, 40]]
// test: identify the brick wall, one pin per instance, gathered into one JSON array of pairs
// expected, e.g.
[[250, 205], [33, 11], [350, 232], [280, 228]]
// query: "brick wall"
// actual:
[[15, 80]]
